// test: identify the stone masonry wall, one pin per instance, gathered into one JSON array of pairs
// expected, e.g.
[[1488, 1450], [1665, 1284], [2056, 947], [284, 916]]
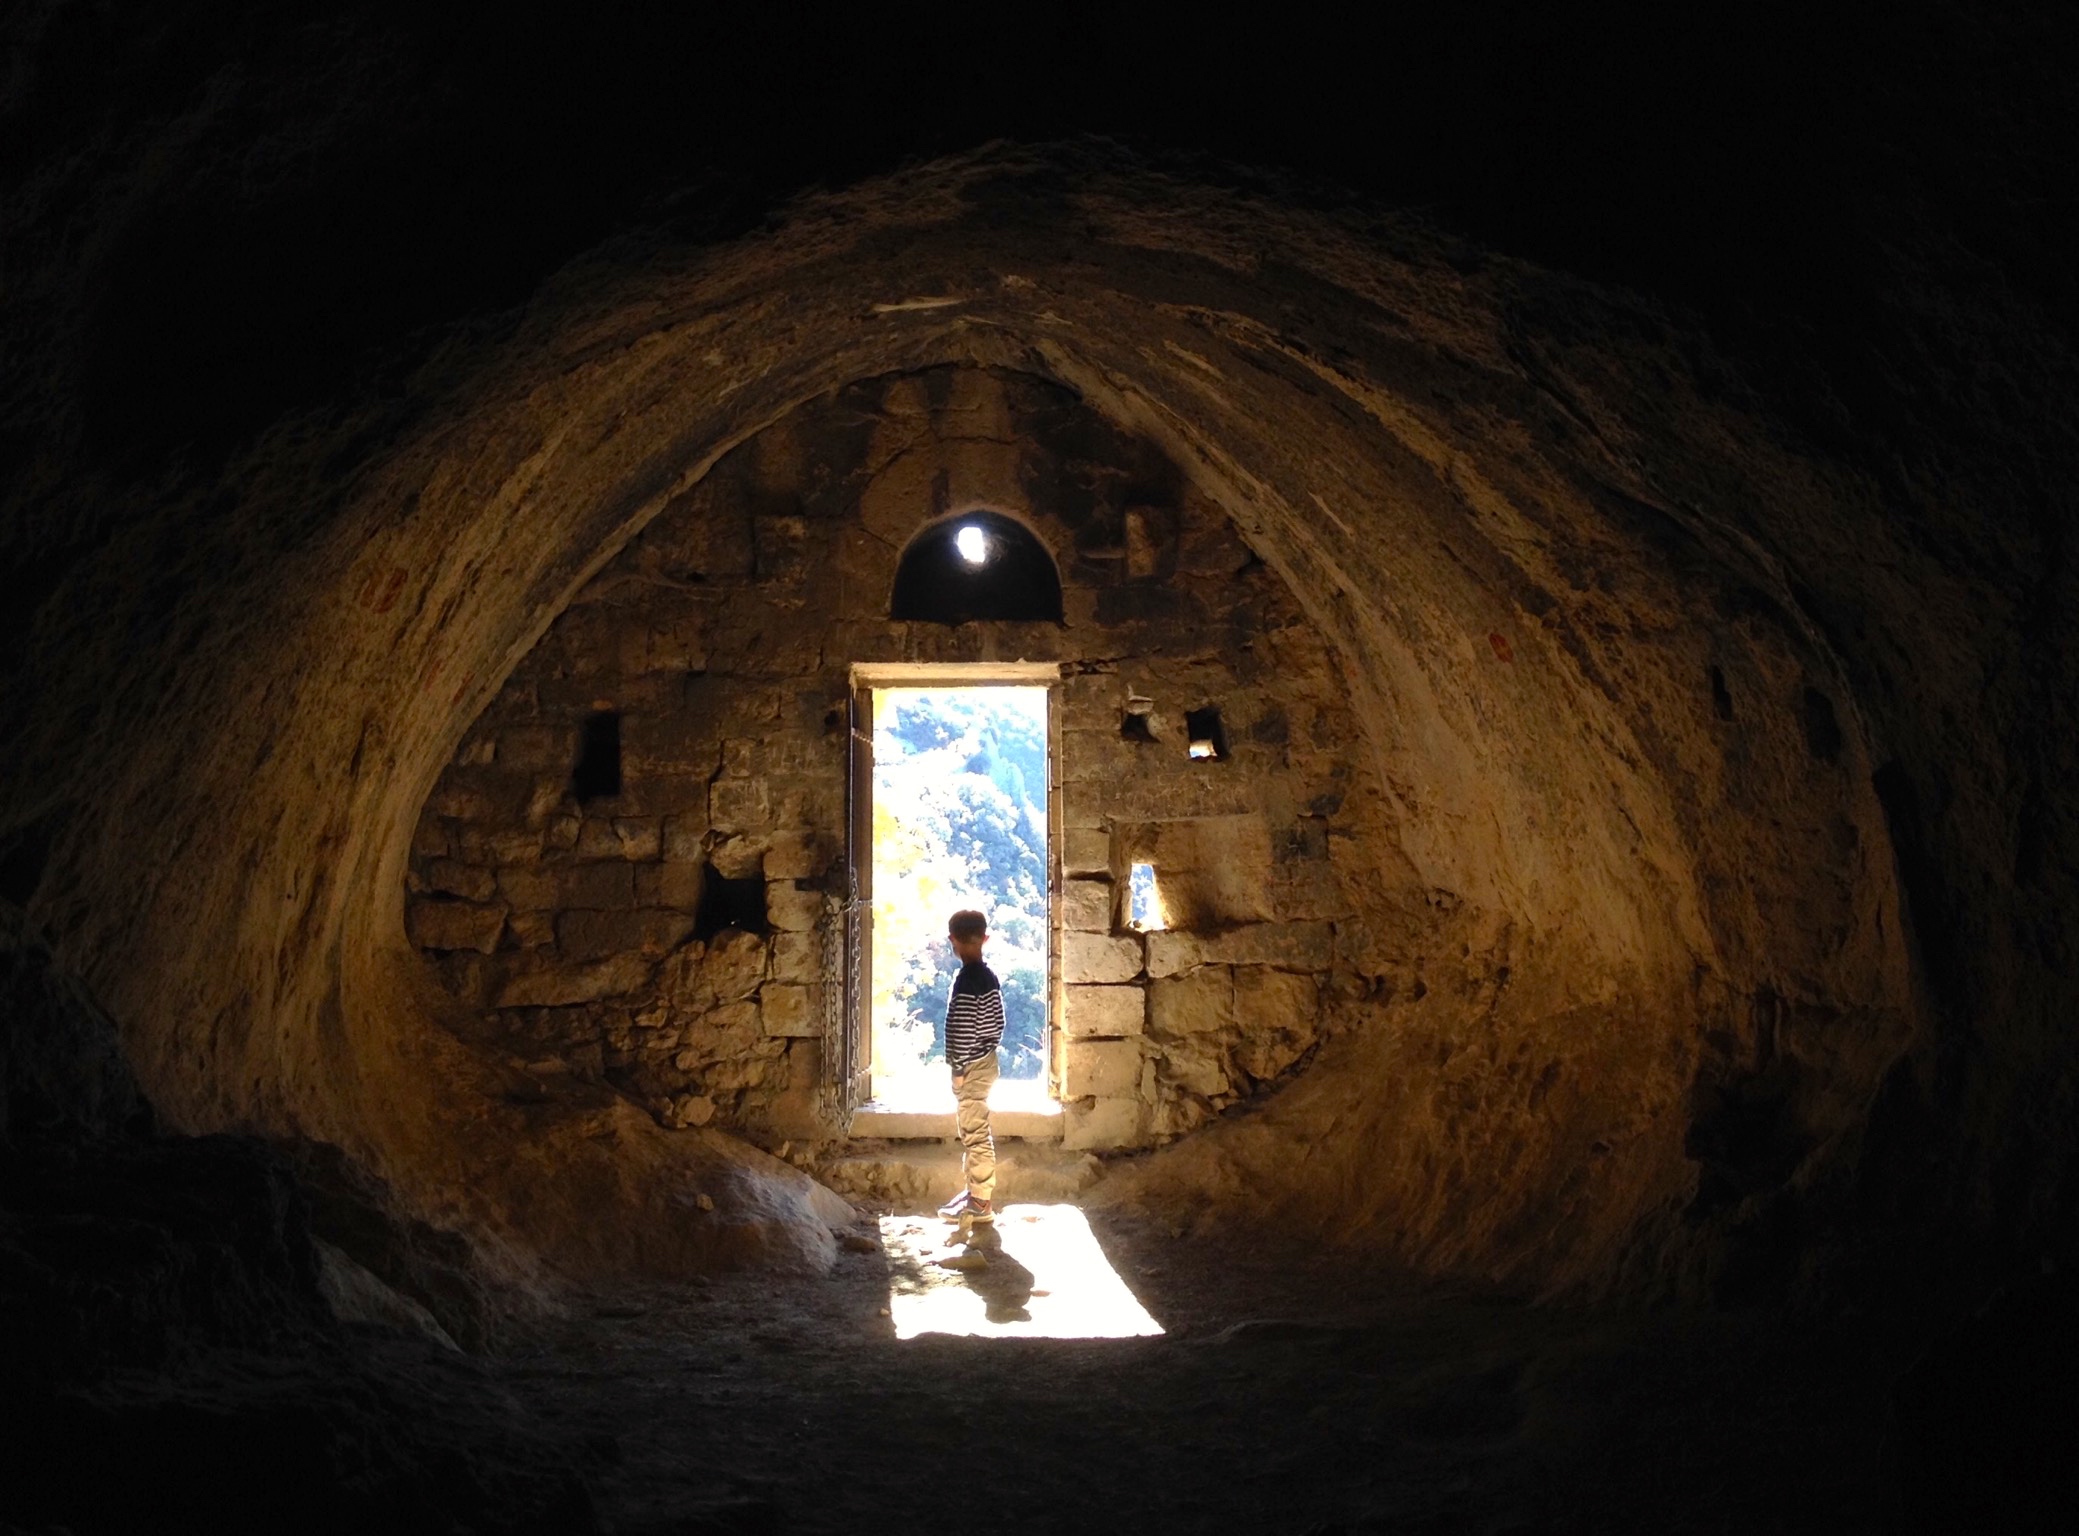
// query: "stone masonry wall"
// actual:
[[632, 868]]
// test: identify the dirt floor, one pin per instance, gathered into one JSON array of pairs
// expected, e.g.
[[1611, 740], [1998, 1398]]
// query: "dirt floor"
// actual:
[[1287, 1393]]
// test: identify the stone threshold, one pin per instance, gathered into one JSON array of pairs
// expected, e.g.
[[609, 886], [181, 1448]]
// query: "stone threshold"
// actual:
[[1020, 1110]]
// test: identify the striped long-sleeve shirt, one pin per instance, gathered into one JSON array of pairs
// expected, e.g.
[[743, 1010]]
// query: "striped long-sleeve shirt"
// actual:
[[974, 1015]]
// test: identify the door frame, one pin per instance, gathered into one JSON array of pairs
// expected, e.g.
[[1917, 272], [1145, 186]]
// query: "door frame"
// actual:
[[855, 1067]]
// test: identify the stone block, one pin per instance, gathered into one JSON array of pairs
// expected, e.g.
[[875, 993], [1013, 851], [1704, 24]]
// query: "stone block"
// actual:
[[741, 805], [805, 1062], [671, 885], [566, 698], [1177, 1113], [504, 845], [794, 856], [766, 638], [530, 890], [1086, 906], [1086, 807], [595, 935], [898, 494], [532, 930], [982, 469], [685, 838], [468, 975], [1106, 757], [537, 748], [790, 908], [1210, 547], [672, 744], [675, 644], [737, 858], [454, 925], [707, 534], [1091, 701], [797, 957], [1101, 1068], [1088, 958], [811, 803], [1308, 946], [475, 796], [1266, 999], [597, 839], [727, 1033], [595, 886], [1103, 1012], [464, 880], [1199, 1002], [795, 1113], [865, 570], [800, 753], [1193, 1064], [557, 988], [737, 755], [690, 1109], [647, 792], [561, 832], [1086, 851], [1102, 1125], [727, 968], [640, 837], [429, 840], [548, 798], [788, 1010]]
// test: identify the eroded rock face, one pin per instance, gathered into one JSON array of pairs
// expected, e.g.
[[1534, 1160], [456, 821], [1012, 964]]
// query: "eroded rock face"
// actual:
[[173, 1337], [1665, 718]]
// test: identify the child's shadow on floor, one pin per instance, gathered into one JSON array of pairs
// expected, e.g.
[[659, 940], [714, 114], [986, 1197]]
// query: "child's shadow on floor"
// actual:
[[1004, 1284]]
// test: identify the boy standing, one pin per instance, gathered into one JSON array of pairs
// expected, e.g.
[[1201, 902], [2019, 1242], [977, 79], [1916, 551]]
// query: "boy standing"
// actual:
[[974, 1029]]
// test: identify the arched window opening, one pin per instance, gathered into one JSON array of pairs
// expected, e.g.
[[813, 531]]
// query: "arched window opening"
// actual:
[[981, 565]]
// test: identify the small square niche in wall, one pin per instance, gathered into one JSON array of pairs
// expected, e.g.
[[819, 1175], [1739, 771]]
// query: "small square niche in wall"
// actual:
[[1207, 736], [1143, 900]]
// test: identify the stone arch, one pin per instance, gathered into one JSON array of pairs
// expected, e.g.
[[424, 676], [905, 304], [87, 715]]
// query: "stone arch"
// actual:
[[1011, 577], [1590, 900]]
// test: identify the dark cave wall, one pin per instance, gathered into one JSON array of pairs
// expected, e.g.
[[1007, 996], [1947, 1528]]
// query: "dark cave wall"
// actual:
[[1867, 504], [1501, 556]]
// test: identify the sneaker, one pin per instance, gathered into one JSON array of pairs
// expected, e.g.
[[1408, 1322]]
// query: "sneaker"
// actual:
[[965, 1207]]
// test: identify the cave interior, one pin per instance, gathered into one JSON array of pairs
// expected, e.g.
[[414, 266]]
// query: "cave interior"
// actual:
[[1576, 624]]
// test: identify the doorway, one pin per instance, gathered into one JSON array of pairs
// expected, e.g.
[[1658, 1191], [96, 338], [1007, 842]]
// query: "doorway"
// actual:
[[958, 789]]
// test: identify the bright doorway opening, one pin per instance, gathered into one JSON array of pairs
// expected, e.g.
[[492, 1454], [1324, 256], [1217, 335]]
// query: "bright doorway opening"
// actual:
[[959, 820]]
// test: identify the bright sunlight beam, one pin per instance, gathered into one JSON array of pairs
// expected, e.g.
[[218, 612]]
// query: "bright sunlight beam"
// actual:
[[1039, 1274], [972, 543]]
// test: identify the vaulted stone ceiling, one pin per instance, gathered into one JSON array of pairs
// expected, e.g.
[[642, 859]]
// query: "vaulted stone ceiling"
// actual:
[[1722, 690]]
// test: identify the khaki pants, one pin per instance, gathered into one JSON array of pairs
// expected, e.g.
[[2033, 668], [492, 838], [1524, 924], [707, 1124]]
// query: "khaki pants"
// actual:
[[971, 1112]]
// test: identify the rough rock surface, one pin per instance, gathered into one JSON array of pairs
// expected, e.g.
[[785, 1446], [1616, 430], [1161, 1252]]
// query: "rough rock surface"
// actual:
[[1653, 795], [173, 1354], [1725, 708]]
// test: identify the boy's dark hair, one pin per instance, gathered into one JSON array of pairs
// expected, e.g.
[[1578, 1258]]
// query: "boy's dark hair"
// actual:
[[967, 924]]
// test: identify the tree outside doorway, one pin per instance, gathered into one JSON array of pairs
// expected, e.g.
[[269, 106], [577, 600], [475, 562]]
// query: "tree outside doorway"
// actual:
[[959, 820]]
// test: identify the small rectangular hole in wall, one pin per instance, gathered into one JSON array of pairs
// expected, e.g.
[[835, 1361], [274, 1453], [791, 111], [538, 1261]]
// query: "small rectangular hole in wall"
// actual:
[[1207, 736], [597, 775], [1143, 899], [729, 904]]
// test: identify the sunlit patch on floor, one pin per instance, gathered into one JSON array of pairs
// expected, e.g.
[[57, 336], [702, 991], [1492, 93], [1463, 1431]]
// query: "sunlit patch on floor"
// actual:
[[1037, 1274]]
